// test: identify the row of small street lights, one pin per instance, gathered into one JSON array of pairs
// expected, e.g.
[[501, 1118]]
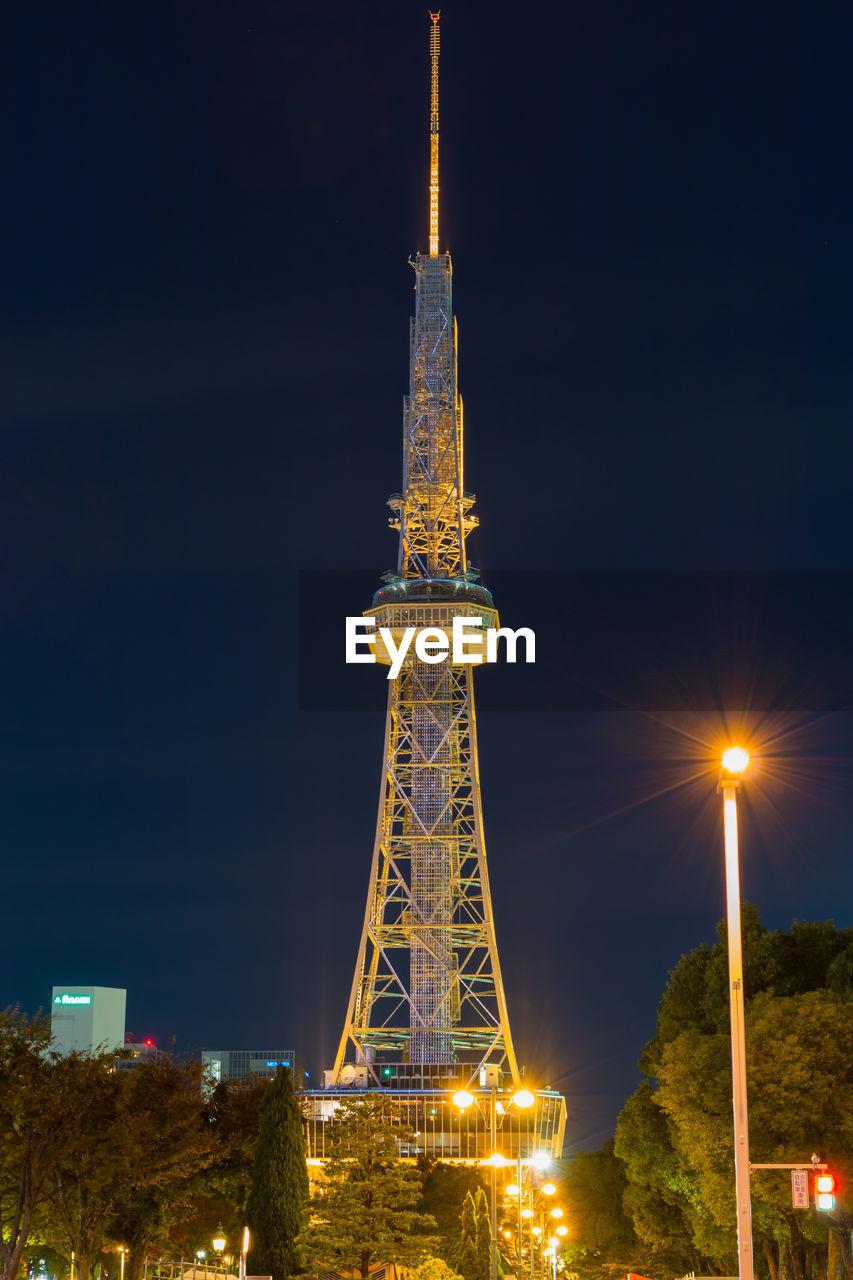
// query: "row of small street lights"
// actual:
[[516, 1192], [523, 1099]]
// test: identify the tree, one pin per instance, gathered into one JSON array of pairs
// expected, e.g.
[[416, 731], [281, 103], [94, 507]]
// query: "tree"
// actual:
[[31, 1119], [468, 1260], [434, 1269], [131, 1148], [275, 1209], [655, 1197], [444, 1187], [174, 1148], [232, 1115], [800, 1100], [474, 1251], [484, 1236], [599, 1227], [94, 1159], [365, 1212], [674, 1136]]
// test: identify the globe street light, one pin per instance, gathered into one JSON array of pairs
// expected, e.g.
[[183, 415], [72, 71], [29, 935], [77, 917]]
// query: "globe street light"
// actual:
[[218, 1243], [734, 763]]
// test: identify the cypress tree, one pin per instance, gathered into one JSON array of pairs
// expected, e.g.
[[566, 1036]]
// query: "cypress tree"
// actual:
[[484, 1236], [275, 1209], [468, 1251]]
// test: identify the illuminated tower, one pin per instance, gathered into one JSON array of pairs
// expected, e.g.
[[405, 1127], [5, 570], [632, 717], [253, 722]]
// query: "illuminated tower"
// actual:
[[427, 1013]]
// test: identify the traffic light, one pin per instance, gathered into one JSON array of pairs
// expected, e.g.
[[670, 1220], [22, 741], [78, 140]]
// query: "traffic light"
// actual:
[[824, 1191]]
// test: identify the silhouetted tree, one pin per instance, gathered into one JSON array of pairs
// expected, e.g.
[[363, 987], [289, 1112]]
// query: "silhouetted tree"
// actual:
[[276, 1207]]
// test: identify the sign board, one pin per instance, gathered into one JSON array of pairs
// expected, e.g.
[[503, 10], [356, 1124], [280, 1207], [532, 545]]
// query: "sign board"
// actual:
[[66, 998], [800, 1188]]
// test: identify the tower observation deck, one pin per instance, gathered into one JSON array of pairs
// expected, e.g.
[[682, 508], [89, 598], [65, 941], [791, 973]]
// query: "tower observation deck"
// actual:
[[427, 1014]]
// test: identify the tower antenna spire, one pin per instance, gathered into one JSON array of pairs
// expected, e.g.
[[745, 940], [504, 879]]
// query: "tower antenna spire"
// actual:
[[434, 46]]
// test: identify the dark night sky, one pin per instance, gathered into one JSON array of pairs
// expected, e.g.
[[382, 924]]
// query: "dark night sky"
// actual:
[[207, 214]]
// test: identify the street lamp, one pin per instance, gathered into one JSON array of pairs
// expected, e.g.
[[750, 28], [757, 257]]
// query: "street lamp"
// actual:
[[218, 1243], [244, 1249], [734, 764], [553, 1243]]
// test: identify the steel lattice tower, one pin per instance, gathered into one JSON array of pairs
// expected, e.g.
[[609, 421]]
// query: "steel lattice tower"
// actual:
[[427, 1011]]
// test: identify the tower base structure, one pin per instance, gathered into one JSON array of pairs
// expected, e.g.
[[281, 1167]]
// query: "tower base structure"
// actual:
[[442, 1130]]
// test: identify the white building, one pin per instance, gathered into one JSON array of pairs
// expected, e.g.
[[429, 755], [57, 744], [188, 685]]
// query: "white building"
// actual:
[[87, 1018]]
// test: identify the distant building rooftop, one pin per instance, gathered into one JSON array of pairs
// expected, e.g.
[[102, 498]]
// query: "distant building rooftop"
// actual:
[[243, 1064]]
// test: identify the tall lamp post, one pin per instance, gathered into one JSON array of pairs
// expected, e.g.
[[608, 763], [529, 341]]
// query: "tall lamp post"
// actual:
[[734, 764]]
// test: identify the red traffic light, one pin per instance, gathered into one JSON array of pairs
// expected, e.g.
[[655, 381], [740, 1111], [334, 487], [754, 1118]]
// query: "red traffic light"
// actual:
[[824, 1191]]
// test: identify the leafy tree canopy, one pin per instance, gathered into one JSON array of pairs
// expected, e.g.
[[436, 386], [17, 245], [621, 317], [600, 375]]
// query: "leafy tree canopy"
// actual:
[[674, 1136], [444, 1190]]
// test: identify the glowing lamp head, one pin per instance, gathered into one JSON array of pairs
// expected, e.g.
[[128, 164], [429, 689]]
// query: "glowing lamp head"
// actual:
[[463, 1099], [540, 1160], [513, 1190], [549, 1189], [556, 1212], [824, 1185], [527, 1213], [735, 760], [562, 1231], [524, 1098], [218, 1241]]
